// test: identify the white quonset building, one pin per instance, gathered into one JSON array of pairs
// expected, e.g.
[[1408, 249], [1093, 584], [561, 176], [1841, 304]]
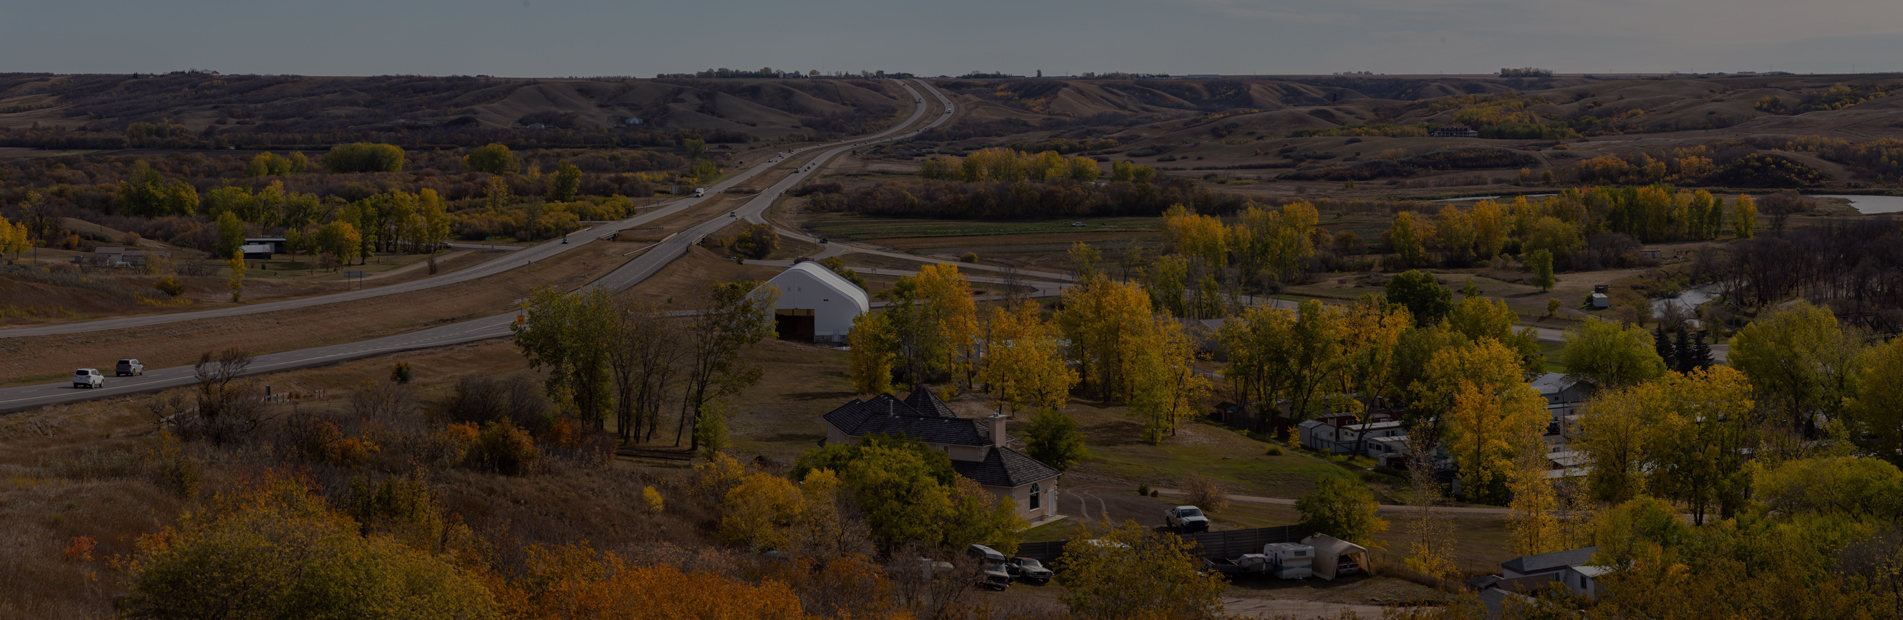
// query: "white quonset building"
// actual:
[[816, 304]]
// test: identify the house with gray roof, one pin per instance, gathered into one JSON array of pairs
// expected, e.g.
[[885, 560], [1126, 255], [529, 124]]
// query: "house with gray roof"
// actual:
[[978, 449], [1568, 567]]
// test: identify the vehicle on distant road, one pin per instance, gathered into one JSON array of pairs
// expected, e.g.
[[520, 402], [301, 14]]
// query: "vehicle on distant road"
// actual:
[[88, 378], [1186, 519], [1076, 224], [129, 367], [700, 191]]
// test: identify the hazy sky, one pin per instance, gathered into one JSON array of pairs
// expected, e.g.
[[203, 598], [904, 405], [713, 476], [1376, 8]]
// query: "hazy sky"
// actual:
[[605, 37]]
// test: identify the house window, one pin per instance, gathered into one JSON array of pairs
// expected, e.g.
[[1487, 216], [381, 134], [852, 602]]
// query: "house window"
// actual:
[[1034, 496]]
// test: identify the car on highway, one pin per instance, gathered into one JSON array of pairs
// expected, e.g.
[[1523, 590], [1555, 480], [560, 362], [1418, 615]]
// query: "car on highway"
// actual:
[[88, 378], [1076, 224], [700, 191], [129, 367]]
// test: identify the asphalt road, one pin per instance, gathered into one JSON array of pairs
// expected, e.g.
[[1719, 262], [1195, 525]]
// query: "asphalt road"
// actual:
[[629, 274]]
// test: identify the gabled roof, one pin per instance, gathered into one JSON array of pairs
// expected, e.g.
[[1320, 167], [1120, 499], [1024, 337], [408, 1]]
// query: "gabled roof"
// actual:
[[1549, 561], [885, 415], [1004, 467], [825, 276], [1553, 383], [925, 403]]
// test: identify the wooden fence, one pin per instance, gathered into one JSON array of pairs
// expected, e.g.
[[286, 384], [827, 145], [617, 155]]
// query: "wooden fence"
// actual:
[[1212, 545]]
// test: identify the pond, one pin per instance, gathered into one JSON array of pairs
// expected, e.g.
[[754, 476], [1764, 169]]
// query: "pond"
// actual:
[[1688, 300], [1870, 204]]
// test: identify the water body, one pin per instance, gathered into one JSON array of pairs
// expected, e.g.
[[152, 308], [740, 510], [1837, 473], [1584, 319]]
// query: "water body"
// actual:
[[1480, 198], [1871, 204], [1688, 299]]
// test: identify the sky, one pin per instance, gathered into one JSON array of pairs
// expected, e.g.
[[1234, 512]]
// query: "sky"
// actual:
[[558, 38]]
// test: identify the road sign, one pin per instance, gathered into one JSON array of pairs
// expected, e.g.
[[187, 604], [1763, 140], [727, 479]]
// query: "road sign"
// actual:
[[353, 274]]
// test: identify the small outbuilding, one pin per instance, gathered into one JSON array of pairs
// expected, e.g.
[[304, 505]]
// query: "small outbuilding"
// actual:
[[1335, 557], [816, 304]]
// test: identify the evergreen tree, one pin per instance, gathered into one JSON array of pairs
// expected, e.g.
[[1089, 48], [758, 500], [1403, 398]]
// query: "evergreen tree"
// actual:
[[1663, 345], [1683, 358], [1701, 352]]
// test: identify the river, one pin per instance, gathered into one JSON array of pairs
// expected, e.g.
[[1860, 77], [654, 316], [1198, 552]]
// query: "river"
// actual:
[[1870, 204], [1689, 299]]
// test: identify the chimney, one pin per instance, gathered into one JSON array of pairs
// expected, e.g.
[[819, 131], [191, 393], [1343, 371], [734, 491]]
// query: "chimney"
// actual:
[[997, 430]]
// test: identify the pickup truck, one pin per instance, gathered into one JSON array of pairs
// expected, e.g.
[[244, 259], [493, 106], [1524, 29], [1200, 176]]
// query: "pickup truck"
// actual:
[[1186, 519], [700, 191]]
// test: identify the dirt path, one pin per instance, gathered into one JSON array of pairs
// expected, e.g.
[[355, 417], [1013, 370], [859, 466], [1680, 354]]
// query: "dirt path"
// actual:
[[417, 265], [1468, 511]]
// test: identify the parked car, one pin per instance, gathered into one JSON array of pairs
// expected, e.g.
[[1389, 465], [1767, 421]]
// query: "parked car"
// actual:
[[1186, 519], [1028, 569], [129, 367], [1077, 224], [994, 577], [88, 378]]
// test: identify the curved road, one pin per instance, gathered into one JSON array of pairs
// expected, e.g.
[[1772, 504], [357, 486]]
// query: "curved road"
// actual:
[[629, 274]]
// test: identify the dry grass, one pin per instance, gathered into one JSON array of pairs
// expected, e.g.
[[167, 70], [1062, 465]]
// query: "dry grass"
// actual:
[[84, 471], [180, 343]]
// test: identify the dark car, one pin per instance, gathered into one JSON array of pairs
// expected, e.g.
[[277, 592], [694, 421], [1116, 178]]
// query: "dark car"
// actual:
[[128, 368], [1028, 570]]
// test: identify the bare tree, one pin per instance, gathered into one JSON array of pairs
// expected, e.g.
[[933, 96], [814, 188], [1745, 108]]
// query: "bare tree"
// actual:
[[645, 353], [228, 408], [383, 402], [1015, 292]]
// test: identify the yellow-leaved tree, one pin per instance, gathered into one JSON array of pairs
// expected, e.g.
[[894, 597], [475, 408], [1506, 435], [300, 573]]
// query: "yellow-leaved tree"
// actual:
[[1682, 437], [871, 342], [1200, 237], [1165, 385], [1275, 241], [1024, 360], [1098, 316], [1492, 415], [936, 323]]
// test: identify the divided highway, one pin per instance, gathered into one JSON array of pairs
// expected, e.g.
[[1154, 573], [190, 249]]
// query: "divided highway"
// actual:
[[633, 272]]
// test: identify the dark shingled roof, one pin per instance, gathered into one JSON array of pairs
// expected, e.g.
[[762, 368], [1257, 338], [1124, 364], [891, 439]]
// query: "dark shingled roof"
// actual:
[[926, 403], [1004, 467], [1549, 561], [885, 415]]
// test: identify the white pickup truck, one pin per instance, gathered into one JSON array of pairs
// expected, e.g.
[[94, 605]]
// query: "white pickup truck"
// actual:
[[1186, 519], [700, 191]]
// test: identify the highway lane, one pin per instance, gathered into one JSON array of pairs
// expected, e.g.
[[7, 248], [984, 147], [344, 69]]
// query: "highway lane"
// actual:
[[519, 257], [629, 274]]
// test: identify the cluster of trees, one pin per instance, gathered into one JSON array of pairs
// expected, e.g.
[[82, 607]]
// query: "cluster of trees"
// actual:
[[1852, 264], [1024, 199], [909, 493], [1579, 229], [1792, 445], [364, 157], [178, 198], [1263, 245], [1124, 351], [1004, 164], [608, 361]]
